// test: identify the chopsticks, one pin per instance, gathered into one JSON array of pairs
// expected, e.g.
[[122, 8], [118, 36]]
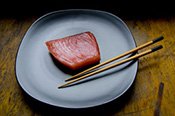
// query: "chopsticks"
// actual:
[[75, 77]]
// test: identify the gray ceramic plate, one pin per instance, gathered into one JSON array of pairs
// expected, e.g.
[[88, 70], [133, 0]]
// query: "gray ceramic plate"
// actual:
[[38, 75]]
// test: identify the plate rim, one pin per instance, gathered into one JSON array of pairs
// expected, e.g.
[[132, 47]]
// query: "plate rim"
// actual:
[[73, 10]]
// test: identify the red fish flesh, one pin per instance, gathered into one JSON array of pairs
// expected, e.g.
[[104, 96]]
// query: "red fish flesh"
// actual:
[[75, 51]]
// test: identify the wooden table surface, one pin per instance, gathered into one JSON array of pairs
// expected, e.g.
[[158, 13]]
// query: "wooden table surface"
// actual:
[[153, 92]]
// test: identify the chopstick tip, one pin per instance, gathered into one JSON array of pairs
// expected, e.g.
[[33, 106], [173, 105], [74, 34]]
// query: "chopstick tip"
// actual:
[[59, 87], [62, 86], [158, 39], [68, 79], [157, 48]]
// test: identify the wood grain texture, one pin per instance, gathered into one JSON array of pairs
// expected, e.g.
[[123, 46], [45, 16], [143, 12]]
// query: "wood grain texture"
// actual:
[[141, 98]]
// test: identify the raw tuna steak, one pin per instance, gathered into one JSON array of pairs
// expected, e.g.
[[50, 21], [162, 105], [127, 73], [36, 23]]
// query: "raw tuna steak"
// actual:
[[75, 51]]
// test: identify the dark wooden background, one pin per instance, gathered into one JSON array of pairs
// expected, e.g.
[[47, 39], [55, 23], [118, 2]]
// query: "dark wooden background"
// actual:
[[153, 92], [121, 7]]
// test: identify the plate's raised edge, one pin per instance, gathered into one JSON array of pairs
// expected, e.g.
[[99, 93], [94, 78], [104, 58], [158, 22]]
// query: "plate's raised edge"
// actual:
[[71, 10]]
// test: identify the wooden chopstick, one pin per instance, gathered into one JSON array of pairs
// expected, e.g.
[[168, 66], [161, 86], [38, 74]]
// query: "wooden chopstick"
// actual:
[[117, 57], [113, 65]]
